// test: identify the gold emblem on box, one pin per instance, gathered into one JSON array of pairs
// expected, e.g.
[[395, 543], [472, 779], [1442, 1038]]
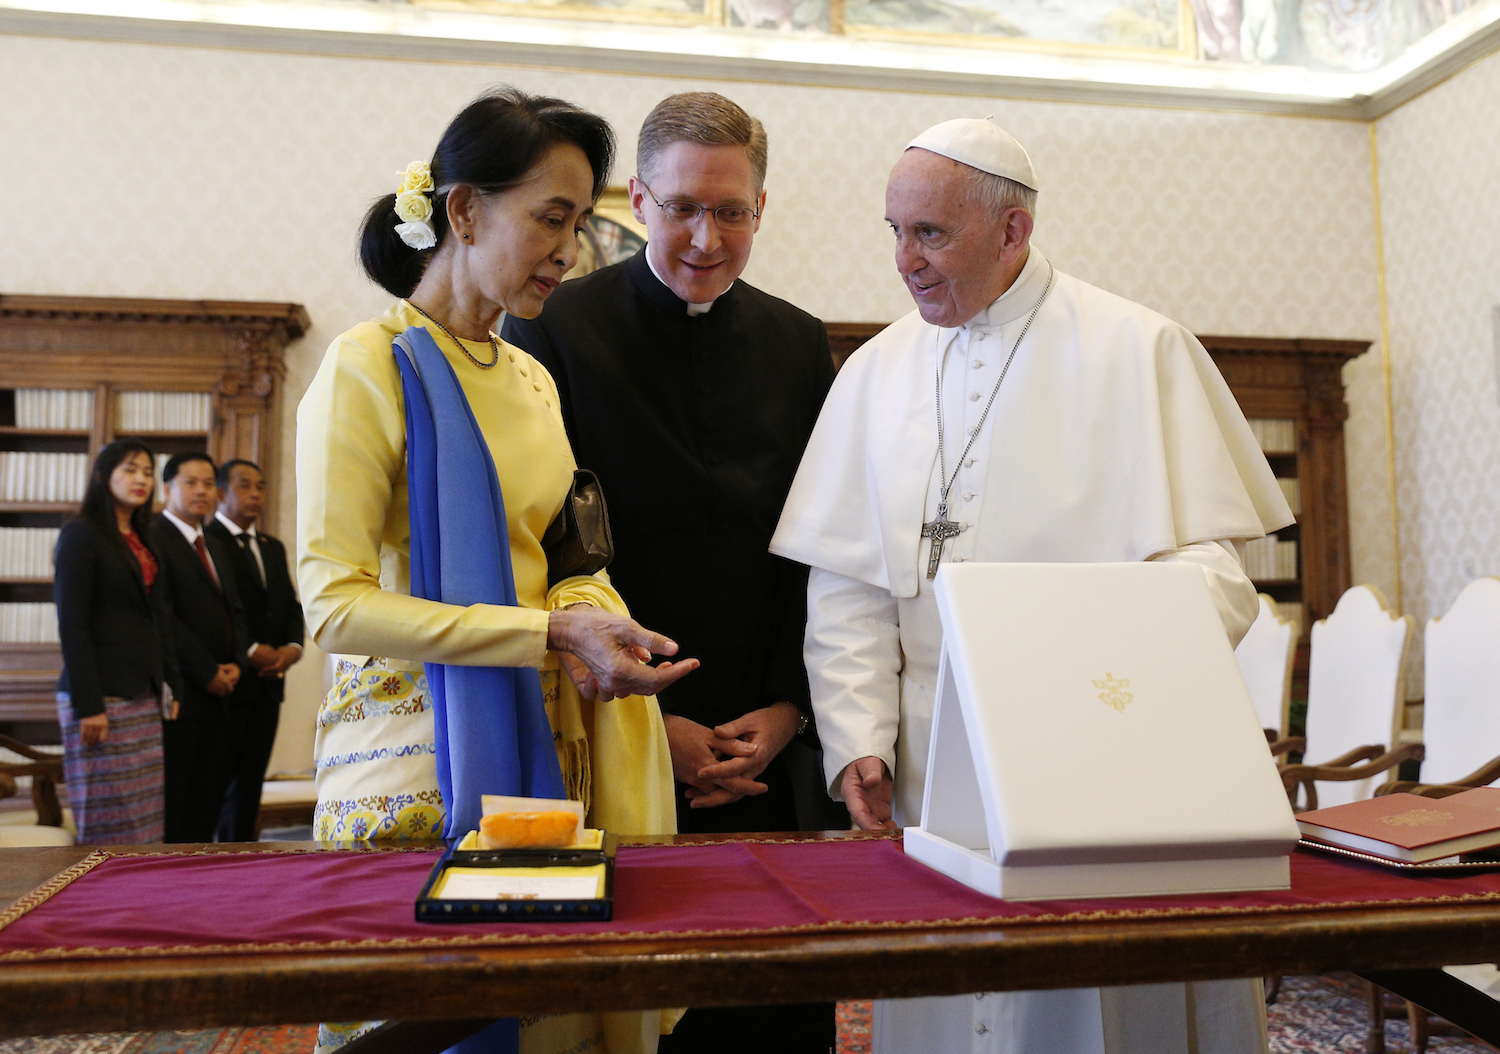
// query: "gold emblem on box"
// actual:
[[1418, 818], [1114, 693]]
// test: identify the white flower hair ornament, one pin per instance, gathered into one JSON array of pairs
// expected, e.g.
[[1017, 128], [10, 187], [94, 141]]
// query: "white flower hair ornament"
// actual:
[[414, 207]]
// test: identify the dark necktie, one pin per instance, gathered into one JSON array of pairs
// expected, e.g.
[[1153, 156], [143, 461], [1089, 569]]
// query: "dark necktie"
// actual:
[[245, 544], [208, 565]]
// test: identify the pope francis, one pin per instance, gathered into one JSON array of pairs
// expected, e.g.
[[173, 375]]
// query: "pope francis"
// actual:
[[1018, 414]]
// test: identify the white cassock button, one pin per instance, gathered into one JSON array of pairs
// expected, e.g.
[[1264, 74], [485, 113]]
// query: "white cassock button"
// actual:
[[973, 397], [958, 559], [980, 1029], [977, 364], [981, 336], [973, 430], [969, 463], [968, 495], [978, 995]]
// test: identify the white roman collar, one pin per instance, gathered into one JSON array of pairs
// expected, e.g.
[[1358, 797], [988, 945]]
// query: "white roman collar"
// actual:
[[1017, 301], [692, 309]]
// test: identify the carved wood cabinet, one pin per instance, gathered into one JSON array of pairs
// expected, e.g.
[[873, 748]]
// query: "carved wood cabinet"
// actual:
[[1298, 386], [1301, 382], [78, 372]]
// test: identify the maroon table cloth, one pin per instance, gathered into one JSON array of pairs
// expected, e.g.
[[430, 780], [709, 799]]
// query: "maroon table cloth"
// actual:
[[174, 903]]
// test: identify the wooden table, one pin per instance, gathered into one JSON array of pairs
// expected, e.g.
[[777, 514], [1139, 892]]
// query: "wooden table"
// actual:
[[1383, 943]]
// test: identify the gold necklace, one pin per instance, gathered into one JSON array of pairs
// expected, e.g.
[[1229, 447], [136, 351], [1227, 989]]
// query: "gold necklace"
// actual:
[[494, 344]]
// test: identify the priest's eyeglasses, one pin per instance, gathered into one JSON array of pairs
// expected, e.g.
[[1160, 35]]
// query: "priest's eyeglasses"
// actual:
[[726, 217]]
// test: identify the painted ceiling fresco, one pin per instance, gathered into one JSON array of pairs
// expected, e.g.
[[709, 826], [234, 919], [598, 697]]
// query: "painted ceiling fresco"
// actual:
[[1332, 35]]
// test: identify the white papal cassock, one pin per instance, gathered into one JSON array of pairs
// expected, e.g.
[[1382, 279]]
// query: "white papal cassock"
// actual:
[[1113, 438]]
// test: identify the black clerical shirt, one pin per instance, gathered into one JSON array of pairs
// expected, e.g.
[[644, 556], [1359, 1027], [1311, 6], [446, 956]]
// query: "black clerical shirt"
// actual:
[[695, 426]]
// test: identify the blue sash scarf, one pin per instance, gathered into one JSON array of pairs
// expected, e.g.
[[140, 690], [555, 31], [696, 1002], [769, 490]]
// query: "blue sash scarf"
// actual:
[[492, 731]]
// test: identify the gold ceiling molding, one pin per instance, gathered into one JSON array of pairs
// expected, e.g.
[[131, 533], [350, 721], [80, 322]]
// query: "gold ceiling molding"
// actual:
[[437, 34]]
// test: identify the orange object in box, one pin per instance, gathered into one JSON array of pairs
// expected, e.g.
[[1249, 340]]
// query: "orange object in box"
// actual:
[[528, 830]]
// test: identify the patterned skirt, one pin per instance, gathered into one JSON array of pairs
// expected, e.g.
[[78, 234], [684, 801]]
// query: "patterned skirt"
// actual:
[[374, 751], [115, 787], [377, 783]]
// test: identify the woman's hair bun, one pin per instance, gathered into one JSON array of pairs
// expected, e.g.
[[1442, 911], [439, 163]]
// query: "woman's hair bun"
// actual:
[[491, 144]]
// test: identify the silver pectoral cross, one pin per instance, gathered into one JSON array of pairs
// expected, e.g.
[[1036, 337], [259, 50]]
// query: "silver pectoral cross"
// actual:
[[939, 529]]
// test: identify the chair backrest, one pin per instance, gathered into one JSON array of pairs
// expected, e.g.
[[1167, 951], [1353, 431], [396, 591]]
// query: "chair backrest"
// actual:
[[46, 774], [1461, 713], [1354, 686], [1265, 658]]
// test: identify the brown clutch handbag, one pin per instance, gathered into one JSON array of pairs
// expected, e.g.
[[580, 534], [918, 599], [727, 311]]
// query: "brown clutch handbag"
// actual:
[[579, 541]]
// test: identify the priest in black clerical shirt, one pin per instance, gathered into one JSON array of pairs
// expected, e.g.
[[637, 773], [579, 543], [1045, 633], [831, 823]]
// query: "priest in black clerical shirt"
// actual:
[[692, 395]]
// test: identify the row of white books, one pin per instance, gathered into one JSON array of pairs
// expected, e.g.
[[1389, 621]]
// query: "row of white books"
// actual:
[[60, 409], [39, 477], [1270, 559], [28, 623], [26, 552], [1292, 492], [48, 409], [1276, 435], [163, 412]]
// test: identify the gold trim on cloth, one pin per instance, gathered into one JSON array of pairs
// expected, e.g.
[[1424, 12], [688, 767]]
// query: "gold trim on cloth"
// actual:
[[50, 888], [62, 879]]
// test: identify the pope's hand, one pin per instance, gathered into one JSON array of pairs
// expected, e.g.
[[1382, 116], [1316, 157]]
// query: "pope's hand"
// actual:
[[612, 653], [866, 786], [695, 749]]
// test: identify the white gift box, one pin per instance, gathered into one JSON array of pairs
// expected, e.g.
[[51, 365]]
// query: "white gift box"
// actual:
[[1092, 737]]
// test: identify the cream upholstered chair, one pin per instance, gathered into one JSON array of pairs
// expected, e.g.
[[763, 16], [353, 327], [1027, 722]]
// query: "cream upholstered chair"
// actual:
[[1461, 736], [46, 772], [1461, 709], [1265, 658], [1354, 701]]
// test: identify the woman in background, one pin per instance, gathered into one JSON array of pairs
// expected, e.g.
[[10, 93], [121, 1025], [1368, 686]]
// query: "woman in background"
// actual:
[[116, 658]]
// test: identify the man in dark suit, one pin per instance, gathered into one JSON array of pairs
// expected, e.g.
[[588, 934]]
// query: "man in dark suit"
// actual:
[[208, 629], [692, 395], [274, 621]]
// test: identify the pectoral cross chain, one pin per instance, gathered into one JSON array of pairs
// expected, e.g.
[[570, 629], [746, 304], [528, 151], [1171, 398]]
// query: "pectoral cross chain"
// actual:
[[939, 529]]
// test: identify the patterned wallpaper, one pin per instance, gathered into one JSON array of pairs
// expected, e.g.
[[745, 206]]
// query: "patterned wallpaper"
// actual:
[[1438, 171], [180, 172]]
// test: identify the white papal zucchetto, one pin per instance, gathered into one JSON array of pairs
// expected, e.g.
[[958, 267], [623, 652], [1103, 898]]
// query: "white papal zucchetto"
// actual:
[[980, 144]]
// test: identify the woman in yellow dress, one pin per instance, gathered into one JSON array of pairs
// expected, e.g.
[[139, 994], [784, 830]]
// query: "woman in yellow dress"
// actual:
[[488, 226]]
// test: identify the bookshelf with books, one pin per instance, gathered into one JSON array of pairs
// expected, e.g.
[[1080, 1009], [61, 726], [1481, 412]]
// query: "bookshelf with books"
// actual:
[[1292, 392], [79, 372]]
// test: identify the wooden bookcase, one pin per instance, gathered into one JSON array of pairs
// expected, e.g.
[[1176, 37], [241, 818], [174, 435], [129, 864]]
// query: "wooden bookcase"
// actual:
[[1296, 381], [231, 352]]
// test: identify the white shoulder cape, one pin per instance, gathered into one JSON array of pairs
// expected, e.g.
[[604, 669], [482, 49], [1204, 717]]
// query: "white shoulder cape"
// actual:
[[1113, 438]]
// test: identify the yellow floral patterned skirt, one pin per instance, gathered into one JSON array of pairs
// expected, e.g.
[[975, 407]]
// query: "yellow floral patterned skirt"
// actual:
[[377, 783], [376, 768]]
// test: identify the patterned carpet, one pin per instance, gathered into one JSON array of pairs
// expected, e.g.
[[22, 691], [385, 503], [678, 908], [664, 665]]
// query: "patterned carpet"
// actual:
[[1317, 1015], [1313, 1015], [281, 1039]]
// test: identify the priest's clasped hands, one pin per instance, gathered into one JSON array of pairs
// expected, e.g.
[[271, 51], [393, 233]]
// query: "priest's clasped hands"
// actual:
[[609, 655], [720, 764]]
